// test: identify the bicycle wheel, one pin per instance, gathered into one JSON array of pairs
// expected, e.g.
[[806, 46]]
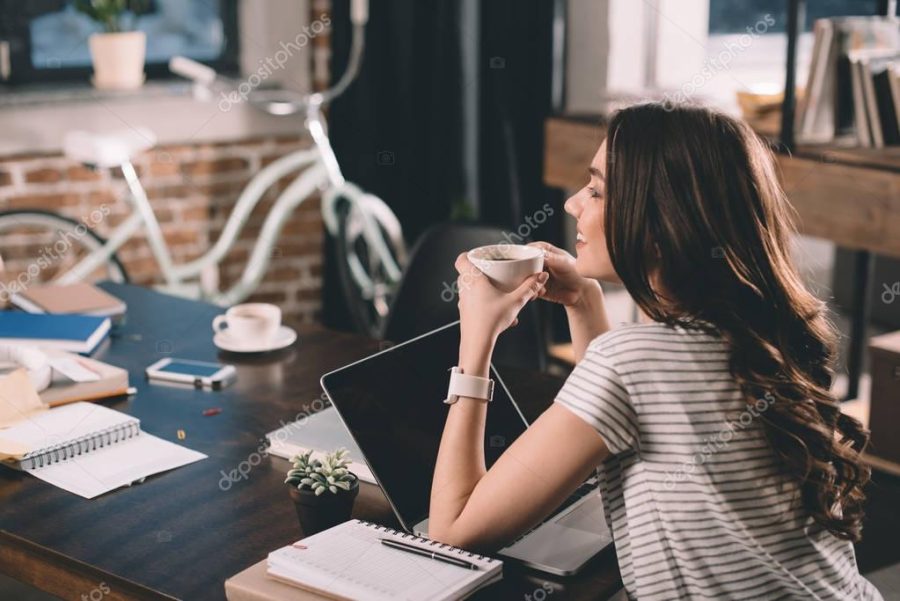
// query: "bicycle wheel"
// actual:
[[39, 246], [368, 291]]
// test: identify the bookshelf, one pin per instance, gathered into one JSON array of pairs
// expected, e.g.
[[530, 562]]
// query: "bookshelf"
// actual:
[[876, 168]]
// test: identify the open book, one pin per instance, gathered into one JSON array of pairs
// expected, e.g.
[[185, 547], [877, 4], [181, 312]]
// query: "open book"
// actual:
[[349, 561], [89, 449]]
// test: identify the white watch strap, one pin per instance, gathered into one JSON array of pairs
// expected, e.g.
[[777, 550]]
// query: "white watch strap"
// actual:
[[468, 386]]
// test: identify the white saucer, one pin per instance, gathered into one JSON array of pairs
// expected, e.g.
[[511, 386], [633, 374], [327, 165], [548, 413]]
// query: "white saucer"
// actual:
[[285, 336]]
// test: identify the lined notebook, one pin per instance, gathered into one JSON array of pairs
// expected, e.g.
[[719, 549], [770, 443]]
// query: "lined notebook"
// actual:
[[349, 562], [89, 449]]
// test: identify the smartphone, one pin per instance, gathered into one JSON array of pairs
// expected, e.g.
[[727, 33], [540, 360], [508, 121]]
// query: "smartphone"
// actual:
[[200, 374]]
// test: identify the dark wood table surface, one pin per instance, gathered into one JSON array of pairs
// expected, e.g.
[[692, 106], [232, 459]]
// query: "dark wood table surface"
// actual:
[[181, 534]]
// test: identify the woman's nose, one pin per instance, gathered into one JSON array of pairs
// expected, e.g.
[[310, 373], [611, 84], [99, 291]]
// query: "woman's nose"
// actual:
[[572, 206]]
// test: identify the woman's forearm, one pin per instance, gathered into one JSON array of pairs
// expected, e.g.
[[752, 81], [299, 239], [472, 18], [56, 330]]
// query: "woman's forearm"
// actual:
[[587, 319], [460, 462]]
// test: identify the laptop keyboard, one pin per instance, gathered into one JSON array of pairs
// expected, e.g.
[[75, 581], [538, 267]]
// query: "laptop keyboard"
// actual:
[[589, 486]]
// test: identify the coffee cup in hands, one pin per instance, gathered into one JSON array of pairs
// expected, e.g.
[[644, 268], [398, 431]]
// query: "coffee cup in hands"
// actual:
[[507, 265], [249, 323]]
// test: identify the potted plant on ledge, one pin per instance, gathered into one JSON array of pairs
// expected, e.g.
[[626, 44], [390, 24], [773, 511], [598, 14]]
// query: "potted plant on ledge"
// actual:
[[323, 491], [118, 53]]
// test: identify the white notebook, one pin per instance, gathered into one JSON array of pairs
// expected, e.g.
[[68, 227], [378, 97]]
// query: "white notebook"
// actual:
[[89, 449], [350, 562], [321, 432]]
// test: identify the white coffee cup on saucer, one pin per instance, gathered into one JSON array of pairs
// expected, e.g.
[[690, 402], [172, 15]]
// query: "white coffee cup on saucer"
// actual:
[[249, 323], [507, 265]]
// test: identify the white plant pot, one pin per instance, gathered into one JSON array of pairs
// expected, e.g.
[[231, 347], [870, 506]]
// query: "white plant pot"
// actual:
[[118, 60]]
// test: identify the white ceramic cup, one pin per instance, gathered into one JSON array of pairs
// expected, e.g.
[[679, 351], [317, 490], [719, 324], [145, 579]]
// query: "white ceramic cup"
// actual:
[[249, 323], [507, 265]]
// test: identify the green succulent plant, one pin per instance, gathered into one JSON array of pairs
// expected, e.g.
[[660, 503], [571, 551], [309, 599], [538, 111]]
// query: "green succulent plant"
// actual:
[[112, 14], [330, 473]]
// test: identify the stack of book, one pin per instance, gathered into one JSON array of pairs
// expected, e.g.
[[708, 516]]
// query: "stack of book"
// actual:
[[853, 88]]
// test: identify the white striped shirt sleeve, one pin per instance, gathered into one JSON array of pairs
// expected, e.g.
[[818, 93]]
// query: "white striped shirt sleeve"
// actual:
[[595, 393]]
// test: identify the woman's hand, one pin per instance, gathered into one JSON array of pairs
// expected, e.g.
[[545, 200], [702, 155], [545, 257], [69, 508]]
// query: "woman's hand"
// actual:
[[485, 311], [565, 285]]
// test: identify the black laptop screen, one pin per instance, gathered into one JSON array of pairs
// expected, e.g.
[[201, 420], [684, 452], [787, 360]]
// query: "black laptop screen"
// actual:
[[392, 405]]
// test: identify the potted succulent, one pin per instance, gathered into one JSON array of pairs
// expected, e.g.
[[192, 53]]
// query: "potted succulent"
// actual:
[[323, 490], [117, 53]]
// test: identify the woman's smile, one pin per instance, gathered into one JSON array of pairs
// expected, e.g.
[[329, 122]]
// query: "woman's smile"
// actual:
[[579, 240]]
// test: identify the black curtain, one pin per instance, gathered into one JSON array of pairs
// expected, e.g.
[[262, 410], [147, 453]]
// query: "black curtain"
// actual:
[[398, 130], [516, 67]]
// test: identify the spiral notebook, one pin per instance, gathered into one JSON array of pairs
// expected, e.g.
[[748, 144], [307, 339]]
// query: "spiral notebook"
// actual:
[[89, 449], [350, 562]]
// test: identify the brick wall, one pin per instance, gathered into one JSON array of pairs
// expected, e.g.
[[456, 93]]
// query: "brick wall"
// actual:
[[192, 189]]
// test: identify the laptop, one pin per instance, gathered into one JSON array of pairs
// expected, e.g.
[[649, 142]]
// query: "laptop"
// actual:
[[391, 404]]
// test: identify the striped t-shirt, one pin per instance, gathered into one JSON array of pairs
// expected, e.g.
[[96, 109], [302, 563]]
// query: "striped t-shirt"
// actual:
[[693, 494]]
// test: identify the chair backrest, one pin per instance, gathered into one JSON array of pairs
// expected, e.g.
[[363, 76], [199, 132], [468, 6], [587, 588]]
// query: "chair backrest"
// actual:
[[426, 298]]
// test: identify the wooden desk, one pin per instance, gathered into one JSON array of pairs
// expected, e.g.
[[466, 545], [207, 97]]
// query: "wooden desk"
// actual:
[[179, 535]]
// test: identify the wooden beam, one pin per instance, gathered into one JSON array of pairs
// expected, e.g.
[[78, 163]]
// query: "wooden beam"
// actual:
[[857, 208], [569, 147]]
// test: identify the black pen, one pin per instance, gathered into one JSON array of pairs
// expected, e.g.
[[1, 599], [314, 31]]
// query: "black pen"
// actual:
[[394, 544]]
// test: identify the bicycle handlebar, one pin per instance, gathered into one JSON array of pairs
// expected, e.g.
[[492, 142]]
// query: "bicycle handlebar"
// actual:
[[191, 69], [208, 78], [359, 11]]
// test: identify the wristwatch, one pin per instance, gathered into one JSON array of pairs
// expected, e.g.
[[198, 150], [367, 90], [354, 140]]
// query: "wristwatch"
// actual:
[[468, 386]]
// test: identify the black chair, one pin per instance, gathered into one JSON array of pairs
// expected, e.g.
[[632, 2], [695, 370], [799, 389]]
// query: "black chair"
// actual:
[[426, 298]]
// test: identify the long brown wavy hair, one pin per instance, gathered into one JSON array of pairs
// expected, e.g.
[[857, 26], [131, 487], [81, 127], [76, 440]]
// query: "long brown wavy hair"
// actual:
[[693, 197]]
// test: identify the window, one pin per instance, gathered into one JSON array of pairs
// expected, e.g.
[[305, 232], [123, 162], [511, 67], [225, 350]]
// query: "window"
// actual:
[[48, 39], [749, 38], [728, 16]]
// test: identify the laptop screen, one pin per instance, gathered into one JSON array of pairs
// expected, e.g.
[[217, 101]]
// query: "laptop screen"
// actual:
[[392, 405]]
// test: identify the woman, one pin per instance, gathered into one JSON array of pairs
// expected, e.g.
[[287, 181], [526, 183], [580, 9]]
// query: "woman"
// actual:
[[727, 470]]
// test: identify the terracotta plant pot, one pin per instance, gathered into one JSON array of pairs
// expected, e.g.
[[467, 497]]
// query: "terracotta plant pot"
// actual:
[[118, 59], [317, 513]]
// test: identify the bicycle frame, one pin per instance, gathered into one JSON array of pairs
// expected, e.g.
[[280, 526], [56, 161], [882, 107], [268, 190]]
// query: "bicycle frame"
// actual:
[[318, 170]]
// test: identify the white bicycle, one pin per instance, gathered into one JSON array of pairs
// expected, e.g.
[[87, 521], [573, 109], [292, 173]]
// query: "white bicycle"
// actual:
[[370, 245]]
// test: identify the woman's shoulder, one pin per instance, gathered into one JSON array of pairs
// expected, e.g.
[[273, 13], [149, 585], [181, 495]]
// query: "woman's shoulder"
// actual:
[[649, 335]]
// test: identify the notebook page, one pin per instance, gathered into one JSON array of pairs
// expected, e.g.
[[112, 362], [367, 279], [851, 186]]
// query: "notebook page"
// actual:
[[105, 469], [349, 561], [62, 424]]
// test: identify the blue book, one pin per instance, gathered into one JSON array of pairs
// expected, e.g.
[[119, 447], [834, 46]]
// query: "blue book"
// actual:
[[73, 333]]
